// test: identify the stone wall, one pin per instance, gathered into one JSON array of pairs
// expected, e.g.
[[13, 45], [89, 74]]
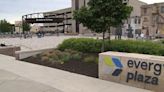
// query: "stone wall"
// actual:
[[137, 70]]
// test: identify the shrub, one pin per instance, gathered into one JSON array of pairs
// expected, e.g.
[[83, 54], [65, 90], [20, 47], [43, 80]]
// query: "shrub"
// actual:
[[130, 46], [65, 57], [45, 58], [89, 45], [81, 44], [91, 59], [76, 56], [58, 56], [162, 41]]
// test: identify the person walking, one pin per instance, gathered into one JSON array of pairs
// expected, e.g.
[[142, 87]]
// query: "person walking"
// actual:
[[142, 36]]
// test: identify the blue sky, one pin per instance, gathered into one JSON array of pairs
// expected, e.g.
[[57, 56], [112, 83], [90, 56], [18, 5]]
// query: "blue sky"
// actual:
[[12, 10]]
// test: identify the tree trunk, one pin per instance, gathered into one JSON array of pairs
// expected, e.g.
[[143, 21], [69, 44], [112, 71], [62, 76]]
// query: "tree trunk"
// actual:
[[109, 31], [103, 43], [120, 33]]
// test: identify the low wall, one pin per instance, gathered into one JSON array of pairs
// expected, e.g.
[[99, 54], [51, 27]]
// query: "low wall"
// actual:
[[25, 54], [9, 50], [137, 70]]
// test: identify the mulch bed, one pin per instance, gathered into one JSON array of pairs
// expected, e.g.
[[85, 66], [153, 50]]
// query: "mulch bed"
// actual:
[[84, 68]]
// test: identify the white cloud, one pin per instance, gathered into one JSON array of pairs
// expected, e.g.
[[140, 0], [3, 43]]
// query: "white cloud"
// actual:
[[14, 9], [152, 1]]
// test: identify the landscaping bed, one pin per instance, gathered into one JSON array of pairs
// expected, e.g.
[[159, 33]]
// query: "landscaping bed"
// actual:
[[80, 55], [85, 64]]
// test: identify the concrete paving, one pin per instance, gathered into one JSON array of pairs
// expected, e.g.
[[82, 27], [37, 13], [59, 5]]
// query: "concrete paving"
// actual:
[[10, 82], [18, 76], [35, 43]]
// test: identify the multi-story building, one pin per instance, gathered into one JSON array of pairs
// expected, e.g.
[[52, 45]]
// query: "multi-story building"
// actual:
[[65, 26], [153, 20], [134, 21], [77, 4], [70, 25], [18, 27]]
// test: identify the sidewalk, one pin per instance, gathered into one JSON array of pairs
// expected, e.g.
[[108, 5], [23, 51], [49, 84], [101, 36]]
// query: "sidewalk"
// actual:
[[36, 43], [35, 78], [10, 82]]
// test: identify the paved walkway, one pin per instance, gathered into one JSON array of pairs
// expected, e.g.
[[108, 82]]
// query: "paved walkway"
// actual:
[[18, 76], [10, 82], [36, 43], [39, 43]]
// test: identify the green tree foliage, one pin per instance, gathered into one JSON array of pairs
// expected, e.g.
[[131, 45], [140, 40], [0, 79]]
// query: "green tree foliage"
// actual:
[[101, 15], [5, 26], [26, 27]]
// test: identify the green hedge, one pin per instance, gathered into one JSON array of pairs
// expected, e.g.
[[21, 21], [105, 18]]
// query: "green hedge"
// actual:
[[89, 45], [143, 47], [81, 44], [162, 41]]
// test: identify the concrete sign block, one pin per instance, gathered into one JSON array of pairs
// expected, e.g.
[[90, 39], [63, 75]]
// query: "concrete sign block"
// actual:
[[137, 70]]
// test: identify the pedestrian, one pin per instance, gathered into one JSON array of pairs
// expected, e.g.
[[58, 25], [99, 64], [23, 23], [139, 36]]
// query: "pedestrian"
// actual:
[[137, 35], [142, 36]]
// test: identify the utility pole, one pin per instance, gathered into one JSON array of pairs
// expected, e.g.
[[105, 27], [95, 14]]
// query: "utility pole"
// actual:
[[23, 24]]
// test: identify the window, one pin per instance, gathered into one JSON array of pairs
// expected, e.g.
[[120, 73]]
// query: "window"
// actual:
[[145, 20], [153, 19], [162, 9], [135, 20], [139, 21], [145, 11]]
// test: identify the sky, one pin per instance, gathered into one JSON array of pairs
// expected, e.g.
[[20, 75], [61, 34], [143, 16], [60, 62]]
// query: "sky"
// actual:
[[12, 10]]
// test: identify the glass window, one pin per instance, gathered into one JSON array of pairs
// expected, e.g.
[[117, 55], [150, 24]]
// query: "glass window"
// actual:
[[139, 21], [162, 9], [145, 11], [135, 20]]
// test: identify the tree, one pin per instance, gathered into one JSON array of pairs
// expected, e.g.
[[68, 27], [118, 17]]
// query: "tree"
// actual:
[[5, 26], [101, 15], [26, 27]]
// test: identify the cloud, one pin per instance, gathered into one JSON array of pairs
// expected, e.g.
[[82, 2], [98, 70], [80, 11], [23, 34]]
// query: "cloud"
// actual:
[[14, 9], [152, 1]]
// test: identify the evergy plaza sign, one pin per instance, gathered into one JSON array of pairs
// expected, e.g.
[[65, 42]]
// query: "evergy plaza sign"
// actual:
[[148, 79], [138, 70]]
